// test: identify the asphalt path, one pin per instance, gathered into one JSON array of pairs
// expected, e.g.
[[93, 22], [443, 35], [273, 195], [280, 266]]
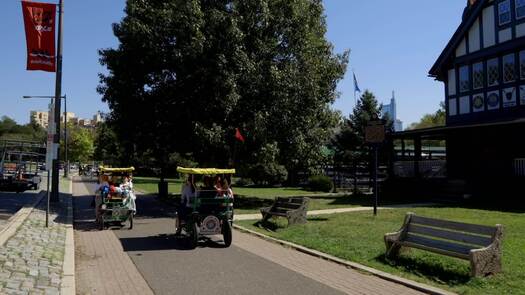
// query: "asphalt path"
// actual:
[[11, 202], [169, 267]]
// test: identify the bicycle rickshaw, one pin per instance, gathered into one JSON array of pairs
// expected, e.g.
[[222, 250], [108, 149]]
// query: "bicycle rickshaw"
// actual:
[[211, 211], [115, 198]]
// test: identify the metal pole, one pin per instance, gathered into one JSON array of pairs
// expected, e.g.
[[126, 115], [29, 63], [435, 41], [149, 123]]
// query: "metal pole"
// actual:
[[48, 196], [375, 181], [66, 168], [58, 94]]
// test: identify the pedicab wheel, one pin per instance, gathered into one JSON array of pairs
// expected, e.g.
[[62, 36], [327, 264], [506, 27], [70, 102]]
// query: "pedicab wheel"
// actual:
[[194, 236], [131, 220], [227, 233]]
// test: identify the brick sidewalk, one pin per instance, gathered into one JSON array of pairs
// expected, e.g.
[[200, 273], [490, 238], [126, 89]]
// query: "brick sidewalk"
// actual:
[[334, 275], [102, 266]]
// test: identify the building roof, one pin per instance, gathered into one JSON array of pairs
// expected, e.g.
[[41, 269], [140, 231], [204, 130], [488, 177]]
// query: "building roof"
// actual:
[[471, 13]]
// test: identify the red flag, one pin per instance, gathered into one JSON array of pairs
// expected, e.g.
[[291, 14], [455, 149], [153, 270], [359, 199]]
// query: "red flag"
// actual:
[[238, 135], [39, 21]]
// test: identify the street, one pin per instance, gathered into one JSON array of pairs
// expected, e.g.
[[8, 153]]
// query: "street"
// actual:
[[11, 202], [150, 259], [169, 267]]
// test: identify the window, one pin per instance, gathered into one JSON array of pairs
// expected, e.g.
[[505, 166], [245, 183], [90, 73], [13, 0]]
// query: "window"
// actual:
[[464, 105], [520, 9], [522, 65], [452, 107], [464, 79], [477, 75], [508, 68], [493, 72], [504, 12]]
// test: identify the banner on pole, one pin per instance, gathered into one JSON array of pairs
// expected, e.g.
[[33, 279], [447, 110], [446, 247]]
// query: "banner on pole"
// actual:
[[39, 21]]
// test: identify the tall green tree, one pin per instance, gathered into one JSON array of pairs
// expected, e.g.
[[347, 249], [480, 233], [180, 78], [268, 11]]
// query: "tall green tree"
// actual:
[[188, 72], [80, 144], [11, 130], [431, 120], [349, 142]]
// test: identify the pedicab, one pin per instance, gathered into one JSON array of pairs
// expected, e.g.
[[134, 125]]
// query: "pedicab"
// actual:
[[210, 210], [115, 198]]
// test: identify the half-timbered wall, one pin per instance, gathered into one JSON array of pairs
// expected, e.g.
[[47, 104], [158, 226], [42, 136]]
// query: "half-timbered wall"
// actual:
[[486, 81]]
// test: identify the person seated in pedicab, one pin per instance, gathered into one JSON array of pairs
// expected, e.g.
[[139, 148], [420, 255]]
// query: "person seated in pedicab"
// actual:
[[100, 192], [187, 195], [226, 189]]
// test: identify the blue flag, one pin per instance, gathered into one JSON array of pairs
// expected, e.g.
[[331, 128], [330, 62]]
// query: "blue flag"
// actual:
[[356, 87]]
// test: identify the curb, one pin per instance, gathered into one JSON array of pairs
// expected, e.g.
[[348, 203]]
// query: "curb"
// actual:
[[68, 287], [16, 220], [386, 276]]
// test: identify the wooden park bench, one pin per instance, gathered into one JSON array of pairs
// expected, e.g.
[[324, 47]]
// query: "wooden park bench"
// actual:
[[479, 244], [294, 209]]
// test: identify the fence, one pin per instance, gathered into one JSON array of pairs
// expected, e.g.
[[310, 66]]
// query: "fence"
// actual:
[[519, 167], [427, 169]]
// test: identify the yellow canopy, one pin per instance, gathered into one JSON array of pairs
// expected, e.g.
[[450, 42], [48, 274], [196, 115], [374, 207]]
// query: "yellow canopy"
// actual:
[[128, 169], [205, 171]]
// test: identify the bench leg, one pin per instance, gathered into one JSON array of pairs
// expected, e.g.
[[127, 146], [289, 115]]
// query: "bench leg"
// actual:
[[485, 262], [297, 218], [392, 249]]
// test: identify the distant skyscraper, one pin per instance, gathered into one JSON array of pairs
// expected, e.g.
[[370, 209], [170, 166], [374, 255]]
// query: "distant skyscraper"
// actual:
[[390, 110]]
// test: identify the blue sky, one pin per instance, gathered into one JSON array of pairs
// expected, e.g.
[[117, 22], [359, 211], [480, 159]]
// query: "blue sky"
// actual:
[[393, 44]]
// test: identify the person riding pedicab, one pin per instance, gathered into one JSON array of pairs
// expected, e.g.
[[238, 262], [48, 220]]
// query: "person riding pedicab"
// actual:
[[187, 197]]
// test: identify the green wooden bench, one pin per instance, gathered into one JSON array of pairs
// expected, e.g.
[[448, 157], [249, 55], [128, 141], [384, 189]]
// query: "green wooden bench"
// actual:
[[294, 209], [479, 244]]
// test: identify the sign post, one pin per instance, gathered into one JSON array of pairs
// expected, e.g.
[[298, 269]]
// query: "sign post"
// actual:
[[375, 136], [50, 153]]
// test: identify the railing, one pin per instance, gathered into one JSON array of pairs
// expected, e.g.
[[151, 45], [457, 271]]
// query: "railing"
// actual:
[[427, 169], [519, 167]]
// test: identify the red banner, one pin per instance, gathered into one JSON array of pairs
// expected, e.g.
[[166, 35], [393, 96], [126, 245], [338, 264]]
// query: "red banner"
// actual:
[[39, 20]]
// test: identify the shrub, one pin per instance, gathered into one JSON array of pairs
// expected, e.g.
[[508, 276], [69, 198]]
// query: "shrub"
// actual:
[[268, 174], [320, 183]]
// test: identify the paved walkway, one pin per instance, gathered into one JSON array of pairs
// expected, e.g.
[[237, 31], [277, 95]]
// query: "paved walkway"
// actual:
[[102, 266], [339, 210], [334, 275], [31, 261]]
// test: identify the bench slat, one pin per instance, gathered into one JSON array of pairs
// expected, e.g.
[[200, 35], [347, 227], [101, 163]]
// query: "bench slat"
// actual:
[[287, 205], [442, 247], [449, 235], [466, 227], [290, 200]]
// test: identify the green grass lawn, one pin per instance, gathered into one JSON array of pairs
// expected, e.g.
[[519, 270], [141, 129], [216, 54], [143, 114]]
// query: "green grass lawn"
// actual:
[[358, 237], [250, 199], [149, 184]]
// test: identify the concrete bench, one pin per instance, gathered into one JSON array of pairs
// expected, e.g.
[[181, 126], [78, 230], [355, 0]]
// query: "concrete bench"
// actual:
[[479, 244], [294, 209]]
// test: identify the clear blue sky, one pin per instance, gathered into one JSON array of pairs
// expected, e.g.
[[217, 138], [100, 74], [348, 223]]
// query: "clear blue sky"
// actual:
[[393, 43]]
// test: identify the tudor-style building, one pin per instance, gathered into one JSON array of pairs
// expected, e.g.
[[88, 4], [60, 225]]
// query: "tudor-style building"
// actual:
[[483, 71]]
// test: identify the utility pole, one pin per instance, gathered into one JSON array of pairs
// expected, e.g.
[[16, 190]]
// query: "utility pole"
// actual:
[[66, 161], [58, 95]]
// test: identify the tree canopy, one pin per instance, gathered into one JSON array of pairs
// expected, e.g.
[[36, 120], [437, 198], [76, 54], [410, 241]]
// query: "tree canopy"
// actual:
[[431, 120], [186, 73], [10, 130], [349, 142]]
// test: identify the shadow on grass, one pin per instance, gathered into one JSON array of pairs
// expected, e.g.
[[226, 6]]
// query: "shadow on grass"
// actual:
[[251, 203], [432, 271], [275, 224]]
